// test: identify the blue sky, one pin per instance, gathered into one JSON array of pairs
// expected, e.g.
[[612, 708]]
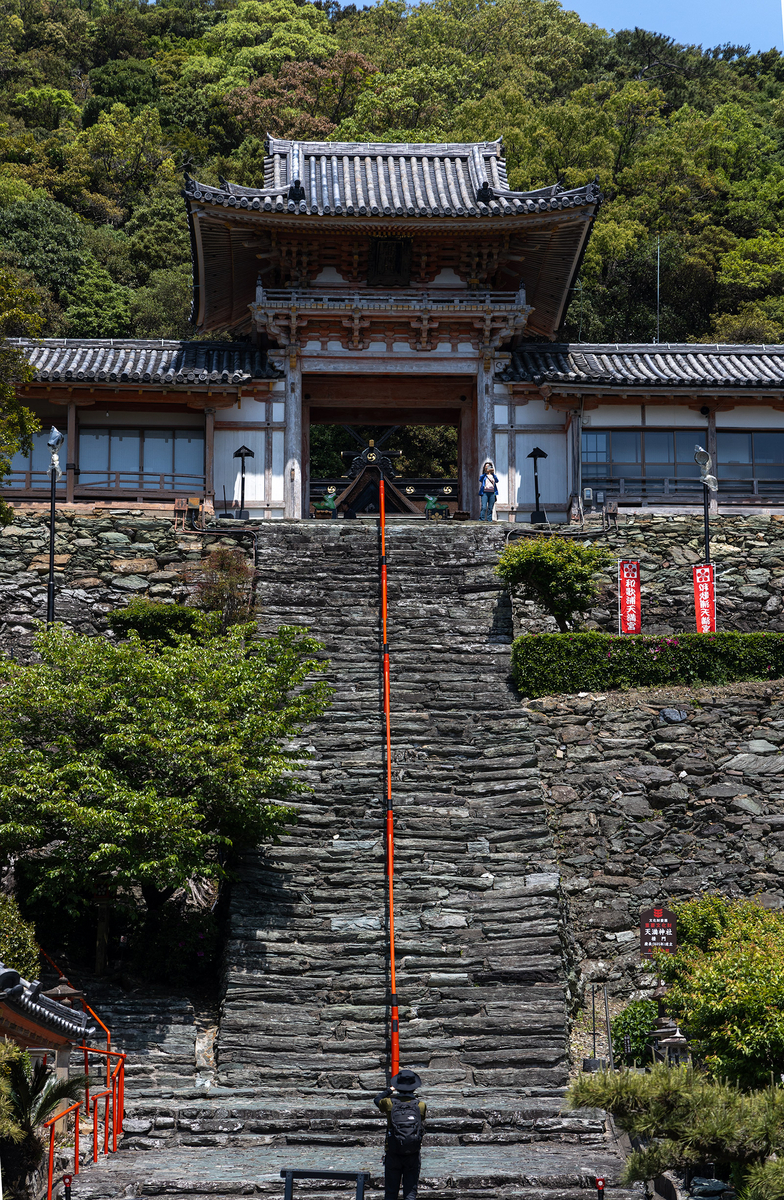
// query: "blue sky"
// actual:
[[706, 22]]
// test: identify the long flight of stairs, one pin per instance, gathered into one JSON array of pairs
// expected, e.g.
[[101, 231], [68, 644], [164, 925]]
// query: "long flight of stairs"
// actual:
[[481, 953]]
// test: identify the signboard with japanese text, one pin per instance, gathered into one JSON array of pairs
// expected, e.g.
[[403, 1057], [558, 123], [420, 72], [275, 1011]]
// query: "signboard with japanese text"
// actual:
[[657, 931], [705, 599], [629, 602]]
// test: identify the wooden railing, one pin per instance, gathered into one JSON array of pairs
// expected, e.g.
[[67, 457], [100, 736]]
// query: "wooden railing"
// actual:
[[166, 483]]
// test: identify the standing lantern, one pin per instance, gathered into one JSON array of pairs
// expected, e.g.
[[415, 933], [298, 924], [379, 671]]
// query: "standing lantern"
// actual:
[[538, 517], [54, 442], [242, 454]]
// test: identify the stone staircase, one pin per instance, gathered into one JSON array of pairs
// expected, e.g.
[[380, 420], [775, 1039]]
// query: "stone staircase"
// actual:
[[481, 964]]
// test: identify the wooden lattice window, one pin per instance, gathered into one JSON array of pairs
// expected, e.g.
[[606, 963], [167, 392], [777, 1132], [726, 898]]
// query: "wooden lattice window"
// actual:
[[390, 262]]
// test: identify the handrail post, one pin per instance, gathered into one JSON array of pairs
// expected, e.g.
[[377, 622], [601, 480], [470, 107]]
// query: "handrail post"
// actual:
[[77, 1111], [106, 1123], [50, 1174], [394, 1064], [95, 1129]]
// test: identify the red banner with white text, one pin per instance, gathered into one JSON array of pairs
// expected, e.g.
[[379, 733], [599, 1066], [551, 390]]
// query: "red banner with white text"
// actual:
[[705, 599], [629, 601]]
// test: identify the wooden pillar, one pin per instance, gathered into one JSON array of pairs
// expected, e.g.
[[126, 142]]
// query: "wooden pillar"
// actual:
[[468, 470], [292, 478], [70, 457], [209, 457], [305, 459], [712, 448]]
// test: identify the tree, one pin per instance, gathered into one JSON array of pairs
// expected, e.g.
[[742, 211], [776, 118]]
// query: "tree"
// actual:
[[635, 1022], [555, 573], [18, 316], [684, 1119], [727, 986], [18, 947], [146, 763], [226, 587], [33, 1095]]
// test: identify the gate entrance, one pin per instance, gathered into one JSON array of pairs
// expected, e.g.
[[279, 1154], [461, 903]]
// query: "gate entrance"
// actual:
[[424, 427]]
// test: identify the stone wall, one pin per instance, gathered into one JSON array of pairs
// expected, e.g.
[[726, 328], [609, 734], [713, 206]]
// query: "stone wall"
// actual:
[[657, 796], [101, 560], [747, 551]]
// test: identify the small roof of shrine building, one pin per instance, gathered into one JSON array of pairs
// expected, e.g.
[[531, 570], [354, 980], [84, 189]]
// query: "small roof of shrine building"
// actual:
[[648, 366], [322, 209]]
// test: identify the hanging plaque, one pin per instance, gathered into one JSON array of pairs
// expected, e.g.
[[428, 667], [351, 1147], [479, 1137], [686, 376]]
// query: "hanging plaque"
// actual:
[[657, 931], [629, 602], [705, 598]]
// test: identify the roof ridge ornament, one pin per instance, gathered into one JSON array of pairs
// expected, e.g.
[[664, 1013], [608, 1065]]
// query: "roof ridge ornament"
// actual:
[[296, 191]]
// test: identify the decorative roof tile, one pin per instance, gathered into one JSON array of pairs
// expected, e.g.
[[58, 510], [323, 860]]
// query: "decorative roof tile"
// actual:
[[24, 997], [121, 360], [648, 366], [395, 179]]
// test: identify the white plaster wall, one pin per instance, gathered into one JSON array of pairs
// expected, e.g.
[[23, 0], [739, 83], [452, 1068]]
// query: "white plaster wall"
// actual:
[[247, 409], [227, 468], [750, 418], [553, 471], [606, 416], [536, 412], [674, 416]]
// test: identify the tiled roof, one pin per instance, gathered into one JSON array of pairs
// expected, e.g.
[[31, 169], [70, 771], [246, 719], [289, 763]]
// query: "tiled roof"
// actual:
[[391, 178], [657, 365], [124, 360], [24, 997]]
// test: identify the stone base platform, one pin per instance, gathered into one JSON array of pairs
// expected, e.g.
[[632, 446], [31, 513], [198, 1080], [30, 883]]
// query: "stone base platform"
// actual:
[[448, 1173]]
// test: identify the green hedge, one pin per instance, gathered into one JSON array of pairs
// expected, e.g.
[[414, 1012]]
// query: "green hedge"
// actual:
[[549, 663]]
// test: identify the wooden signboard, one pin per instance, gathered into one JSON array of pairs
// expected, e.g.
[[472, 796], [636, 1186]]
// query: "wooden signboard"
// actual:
[[657, 931]]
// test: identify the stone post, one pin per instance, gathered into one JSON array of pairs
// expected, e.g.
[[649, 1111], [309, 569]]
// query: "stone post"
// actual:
[[292, 479]]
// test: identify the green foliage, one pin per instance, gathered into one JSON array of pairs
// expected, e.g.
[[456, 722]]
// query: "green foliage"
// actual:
[[10, 1131], [101, 104], [155, 622], [683, 1119], [635, 1022], [226, 587], [150, 763], [18, 316], [557, 574], [33, 1096], [727, 987], [544, 664], [18, 947]]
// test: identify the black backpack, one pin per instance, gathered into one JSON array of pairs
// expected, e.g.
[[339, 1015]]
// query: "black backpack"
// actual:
[[406, 1127]]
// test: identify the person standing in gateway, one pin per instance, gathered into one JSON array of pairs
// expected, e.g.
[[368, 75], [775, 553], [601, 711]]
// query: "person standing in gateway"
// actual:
[[405, 1115], [488, 491]]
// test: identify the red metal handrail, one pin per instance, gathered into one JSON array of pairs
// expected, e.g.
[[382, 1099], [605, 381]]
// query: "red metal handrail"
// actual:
[[114, 1095], [85, 1008], [394, 1055]]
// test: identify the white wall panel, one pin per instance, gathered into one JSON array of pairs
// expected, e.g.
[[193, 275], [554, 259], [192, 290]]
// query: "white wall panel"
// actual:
[[278, 465], [606, 416], [502, 467], [553, 475], [750, 418], [228, 468]]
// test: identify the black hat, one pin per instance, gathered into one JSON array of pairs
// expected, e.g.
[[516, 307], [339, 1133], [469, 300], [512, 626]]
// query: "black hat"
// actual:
[[406, 1081]]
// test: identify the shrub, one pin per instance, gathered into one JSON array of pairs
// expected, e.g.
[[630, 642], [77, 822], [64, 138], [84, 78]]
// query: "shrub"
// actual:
[[227, 587], [635, 1022], [727, 986], [155, 622], [548, 663], [556, 573], [18, 947]]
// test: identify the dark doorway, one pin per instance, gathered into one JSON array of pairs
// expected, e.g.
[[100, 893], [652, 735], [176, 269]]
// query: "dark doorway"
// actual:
[[425, 459]]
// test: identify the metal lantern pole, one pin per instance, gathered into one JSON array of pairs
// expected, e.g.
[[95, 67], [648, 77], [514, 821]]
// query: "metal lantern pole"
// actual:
[[709, 484], [54, 443], [243, 453], [537, 517], [394, 1056]]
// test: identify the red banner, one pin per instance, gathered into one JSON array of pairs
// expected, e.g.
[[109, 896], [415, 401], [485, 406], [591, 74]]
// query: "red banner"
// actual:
[[629, 602], [705, 599]]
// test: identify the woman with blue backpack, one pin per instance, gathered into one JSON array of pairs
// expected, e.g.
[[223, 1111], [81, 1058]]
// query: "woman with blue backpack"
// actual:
[[405, 1116]]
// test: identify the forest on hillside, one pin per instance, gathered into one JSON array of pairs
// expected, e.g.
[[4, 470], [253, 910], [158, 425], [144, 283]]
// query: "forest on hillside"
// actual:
[[104, 104]]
